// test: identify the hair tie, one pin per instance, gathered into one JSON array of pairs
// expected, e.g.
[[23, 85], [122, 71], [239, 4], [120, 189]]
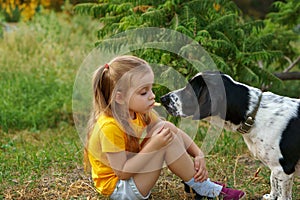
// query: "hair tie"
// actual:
[[106, 66]]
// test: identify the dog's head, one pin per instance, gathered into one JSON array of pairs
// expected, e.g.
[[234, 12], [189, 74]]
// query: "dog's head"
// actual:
[[199, 98]]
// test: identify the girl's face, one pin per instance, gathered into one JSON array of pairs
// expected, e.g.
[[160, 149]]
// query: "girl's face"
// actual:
[[142, 97]]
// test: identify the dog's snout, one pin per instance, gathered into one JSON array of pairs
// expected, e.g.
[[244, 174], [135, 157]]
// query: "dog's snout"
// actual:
[[165, 100]]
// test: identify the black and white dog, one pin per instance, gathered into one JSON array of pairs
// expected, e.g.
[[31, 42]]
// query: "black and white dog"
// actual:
[[270, 123]]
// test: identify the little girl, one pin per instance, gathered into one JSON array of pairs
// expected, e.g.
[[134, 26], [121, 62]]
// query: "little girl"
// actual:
[[125, 166]]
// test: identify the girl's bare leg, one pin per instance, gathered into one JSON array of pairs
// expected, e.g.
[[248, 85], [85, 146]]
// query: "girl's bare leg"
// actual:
[[177, 159], [146, 179], [181, 164]]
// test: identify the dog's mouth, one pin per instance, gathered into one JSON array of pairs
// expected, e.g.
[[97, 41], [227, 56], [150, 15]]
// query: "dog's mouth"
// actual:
[[171, 106], [172, 111]]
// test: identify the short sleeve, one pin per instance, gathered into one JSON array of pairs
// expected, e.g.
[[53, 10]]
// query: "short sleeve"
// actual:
[[154, 116], [112, 138]]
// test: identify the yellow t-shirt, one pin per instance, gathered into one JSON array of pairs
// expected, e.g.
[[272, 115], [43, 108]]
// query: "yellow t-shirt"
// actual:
[[108, 136]]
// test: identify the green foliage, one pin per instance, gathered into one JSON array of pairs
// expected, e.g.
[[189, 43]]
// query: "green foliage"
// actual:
[[284, 25], [235, 44], [287, 13], [38, 67]]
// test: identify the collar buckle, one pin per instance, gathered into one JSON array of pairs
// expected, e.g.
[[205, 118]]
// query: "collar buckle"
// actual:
[[246, 126]]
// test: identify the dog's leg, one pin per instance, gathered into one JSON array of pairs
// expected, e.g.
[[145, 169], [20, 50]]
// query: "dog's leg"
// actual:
[[274, 188], [286, 184], [281, 186]]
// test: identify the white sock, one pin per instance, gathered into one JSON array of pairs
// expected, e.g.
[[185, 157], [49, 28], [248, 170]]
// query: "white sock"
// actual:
[[205, 188]]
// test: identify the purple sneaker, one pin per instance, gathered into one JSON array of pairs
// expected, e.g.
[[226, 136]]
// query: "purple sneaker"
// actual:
[[231, 194], [218, 183]]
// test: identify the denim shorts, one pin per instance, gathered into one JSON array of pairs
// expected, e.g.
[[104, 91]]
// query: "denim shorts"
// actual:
[[127, 190]]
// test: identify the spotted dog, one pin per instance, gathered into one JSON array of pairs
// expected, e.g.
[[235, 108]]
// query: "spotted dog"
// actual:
[[270, 123]]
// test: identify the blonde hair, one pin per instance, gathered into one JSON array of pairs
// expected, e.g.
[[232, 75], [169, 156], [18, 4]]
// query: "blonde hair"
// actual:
[[117, 75]]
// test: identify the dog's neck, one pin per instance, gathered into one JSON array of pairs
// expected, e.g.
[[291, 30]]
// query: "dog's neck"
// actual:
[[247, 125], [241, 101]]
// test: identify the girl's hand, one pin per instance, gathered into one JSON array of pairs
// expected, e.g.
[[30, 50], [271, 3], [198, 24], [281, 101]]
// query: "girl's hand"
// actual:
[[161, 138], [200, 167]]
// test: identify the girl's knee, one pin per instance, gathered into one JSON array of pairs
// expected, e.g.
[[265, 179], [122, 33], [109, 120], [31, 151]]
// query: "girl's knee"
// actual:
[[178, 140], [176, 147]]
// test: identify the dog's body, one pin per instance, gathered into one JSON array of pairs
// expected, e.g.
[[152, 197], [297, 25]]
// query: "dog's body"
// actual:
[[274, 137]]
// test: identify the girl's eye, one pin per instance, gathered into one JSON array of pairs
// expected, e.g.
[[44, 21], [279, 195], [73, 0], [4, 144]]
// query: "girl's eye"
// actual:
[[144, 91]]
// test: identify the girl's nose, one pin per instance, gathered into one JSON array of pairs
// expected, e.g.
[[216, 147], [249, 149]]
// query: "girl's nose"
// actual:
[[152, 95]]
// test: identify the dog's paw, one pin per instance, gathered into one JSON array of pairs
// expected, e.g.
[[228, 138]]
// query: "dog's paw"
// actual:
[[266, 197]]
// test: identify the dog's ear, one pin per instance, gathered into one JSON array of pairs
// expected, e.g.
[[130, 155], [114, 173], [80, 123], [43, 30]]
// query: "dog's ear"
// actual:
[[204, 105], [199, 87], [210, 92], [215, 86], [197, 83], [212, 78]]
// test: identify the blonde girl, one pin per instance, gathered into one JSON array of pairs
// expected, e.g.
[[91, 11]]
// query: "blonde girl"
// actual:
[[123, 164]]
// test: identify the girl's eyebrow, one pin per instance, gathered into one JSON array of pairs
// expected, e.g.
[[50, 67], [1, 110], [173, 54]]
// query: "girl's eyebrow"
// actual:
[[144, 87]]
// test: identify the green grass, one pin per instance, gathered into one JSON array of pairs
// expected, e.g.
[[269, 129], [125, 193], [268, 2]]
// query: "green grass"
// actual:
[[38, 64], [27, 155], [48, 165], [40, 150], [41, 165]]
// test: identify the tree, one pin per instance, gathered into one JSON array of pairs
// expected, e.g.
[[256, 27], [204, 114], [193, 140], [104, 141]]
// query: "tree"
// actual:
[[238, 46], [285, 23]]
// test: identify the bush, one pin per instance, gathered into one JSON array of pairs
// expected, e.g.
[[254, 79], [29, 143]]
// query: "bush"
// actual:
[[248, 50]]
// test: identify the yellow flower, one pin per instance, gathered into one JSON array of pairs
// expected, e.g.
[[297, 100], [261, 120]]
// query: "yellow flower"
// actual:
[[46, 3], [29, 10], [217, 6]]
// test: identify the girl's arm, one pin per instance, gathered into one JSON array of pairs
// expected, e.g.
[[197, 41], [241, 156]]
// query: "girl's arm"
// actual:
[[126, 167], [190, 145]]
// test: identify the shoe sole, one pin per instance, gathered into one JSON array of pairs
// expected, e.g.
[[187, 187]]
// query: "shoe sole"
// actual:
[[243, 197]]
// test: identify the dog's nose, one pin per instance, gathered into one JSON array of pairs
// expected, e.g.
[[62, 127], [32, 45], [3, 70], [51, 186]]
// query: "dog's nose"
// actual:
[[165, 100]]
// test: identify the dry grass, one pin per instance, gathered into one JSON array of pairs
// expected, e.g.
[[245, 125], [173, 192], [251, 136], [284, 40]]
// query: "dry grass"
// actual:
[[47, 165], [247, 174]]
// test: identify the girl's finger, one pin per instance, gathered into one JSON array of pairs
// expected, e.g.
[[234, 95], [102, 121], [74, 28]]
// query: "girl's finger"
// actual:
[[169, 138], [201, 175], [164, 130], [196, 164], [159, 130]]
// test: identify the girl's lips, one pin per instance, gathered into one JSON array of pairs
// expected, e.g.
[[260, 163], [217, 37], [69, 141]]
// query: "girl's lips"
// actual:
[[157, 104], [152, 105]]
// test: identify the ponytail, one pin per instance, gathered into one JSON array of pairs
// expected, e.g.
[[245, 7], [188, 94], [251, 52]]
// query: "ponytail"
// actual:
[[101, 102]]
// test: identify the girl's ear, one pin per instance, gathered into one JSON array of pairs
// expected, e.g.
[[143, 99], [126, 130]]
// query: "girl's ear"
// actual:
[[119, 98]]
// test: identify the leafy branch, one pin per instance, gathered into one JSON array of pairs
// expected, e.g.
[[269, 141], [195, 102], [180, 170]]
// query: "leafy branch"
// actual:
[[236, 44]]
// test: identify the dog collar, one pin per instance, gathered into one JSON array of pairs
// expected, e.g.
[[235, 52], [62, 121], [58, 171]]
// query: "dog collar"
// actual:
[[246, 126]]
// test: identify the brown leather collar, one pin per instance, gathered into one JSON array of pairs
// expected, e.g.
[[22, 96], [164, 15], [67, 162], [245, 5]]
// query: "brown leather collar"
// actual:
[[246, 126]]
